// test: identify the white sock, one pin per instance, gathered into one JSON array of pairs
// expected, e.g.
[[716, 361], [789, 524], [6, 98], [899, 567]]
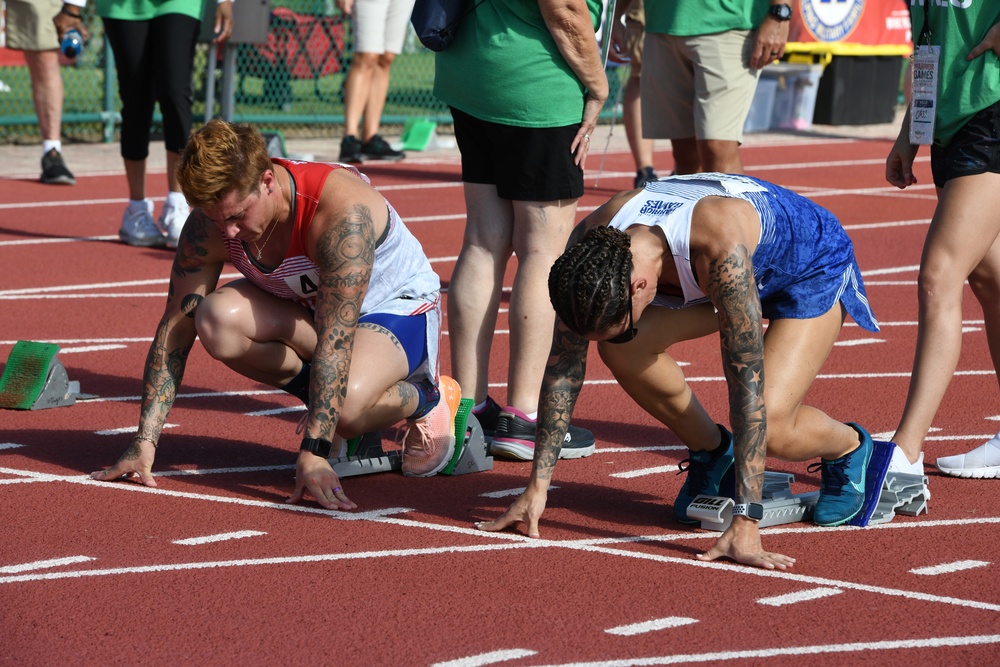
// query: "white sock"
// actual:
[[49, 144], [533, 416], [176, 199]]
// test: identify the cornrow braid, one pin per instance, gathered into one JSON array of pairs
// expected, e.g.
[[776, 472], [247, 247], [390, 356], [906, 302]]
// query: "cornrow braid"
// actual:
[[589, 284]]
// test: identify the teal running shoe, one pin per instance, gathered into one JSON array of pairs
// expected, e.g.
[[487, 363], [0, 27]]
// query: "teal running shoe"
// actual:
[[842, 491], [705, 474]]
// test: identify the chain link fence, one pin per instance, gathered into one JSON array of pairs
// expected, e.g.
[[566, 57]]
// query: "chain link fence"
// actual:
[[292, 82]]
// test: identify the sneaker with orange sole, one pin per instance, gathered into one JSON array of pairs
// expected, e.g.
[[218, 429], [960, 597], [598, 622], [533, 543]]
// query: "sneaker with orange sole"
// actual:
[[429, 443]]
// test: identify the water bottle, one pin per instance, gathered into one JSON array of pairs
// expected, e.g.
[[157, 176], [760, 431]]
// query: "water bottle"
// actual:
[[72, 43]]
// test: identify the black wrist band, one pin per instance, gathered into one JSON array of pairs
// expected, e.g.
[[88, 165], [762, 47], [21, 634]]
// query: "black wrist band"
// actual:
[[69, 13], [318, 446]]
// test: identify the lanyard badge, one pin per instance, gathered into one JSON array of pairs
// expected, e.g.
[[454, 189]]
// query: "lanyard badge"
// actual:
[[923, 95]]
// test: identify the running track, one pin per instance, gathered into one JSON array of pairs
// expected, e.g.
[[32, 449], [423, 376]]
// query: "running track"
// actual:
[[212, 568]]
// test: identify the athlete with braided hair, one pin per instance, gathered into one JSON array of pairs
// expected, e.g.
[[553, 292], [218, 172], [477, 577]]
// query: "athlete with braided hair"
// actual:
[[682, 258]]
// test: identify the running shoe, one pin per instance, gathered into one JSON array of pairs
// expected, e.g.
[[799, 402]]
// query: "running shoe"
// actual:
[[429, 442], [378, 148], [983, 462], [643, 176], [350, 150], [55, 171], [705, 473], [514, 438], [488, 418], [842, 487], [138, 227], [900, 464], [171, 222]]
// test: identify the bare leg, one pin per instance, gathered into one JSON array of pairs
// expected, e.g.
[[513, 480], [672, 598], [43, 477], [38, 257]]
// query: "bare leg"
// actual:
[[378, 89], [721, 156], [541, 230], [642, 149], [46, 91], [475, 288], [966, 211], [357, 90], [135, 176]]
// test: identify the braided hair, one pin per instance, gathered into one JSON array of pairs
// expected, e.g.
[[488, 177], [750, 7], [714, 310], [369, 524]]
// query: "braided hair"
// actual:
[[590, 283]]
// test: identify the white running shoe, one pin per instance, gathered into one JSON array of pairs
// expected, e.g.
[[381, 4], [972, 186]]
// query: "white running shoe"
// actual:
[[138, 227], [172, 219], [983, 462], [900, 464]]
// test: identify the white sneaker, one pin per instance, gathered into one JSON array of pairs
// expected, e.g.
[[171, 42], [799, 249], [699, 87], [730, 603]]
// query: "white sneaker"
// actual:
[[983, 462], [172, 219], [138, 228], [900, 464]]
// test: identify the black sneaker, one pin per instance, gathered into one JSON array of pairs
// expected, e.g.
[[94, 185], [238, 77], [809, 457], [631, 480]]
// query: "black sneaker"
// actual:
[[54, 171], [643, 176], [488, 418], [378, 148], [350, 150], [515, 438]]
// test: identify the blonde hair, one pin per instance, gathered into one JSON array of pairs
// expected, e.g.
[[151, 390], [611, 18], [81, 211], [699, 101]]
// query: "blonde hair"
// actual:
[[220, 158]]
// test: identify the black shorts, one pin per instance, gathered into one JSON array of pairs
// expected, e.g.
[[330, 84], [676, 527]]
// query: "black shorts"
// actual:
[[975, 149], [525, 163]]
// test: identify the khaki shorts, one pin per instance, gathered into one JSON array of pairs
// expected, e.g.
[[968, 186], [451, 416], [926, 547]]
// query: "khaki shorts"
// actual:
[[697, 87], [635, 27], [29, 25]]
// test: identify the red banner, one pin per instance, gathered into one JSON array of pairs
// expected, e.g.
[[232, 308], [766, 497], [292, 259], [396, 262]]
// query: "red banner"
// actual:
[[851, 27]]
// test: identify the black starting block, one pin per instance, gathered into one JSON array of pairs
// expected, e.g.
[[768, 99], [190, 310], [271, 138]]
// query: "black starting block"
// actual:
[[366, 455], [35, 379], [886, 494]]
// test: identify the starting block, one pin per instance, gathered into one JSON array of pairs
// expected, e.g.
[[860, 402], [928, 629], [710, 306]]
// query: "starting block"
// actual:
[[35, 379], [365, 454], [886, 494]]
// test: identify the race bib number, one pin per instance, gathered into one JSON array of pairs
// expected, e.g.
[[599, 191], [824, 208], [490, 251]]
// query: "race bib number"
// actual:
[[923, 96], [304, 284]]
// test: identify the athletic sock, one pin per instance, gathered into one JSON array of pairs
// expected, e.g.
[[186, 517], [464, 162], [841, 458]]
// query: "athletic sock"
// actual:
[[298, 386], [429, 396]]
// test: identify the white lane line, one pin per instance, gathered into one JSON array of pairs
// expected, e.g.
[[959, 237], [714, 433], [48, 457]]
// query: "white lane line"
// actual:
[[948, 568], [651, 626], [658, 470], [220, 537], [90, 348], [10, 445], [490, 658], [629, 450], [43, 564], [858, 341], [801, 596], [720, 657], [508, 492], [126, 429]]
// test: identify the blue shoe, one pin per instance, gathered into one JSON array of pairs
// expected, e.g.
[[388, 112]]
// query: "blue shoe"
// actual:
[[842, 493], [705, 472]]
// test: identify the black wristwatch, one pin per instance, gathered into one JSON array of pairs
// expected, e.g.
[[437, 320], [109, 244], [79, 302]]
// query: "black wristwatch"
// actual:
[[780, 12], [318, 446], [752, 511]]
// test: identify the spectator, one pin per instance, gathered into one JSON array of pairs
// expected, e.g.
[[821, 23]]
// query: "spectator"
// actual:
[[702, 60], [154, 45], [630, 43], [379, 29], [962, 242], [688, 257], [525, 84], [32, 29], [339, 307]]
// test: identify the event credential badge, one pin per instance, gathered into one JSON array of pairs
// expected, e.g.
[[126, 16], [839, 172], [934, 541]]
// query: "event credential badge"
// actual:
[[923, 94]]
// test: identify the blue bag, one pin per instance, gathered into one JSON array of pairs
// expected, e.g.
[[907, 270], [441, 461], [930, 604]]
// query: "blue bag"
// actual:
[[436, 21]]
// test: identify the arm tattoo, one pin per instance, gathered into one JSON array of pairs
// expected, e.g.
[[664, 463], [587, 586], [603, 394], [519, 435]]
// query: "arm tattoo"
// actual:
[[561, 385], [344, 254], [734, 293], [192, 247], [164, 371]]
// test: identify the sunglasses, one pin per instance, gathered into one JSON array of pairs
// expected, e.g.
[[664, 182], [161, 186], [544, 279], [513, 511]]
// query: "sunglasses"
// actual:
[[630, 333]]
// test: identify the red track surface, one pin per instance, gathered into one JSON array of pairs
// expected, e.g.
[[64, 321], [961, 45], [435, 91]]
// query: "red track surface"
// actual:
[[93, 573]]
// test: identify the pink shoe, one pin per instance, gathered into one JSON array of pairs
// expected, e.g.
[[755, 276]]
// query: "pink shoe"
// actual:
[[429, 443]]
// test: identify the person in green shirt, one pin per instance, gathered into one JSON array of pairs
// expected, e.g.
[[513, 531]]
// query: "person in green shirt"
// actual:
[[963, 241]]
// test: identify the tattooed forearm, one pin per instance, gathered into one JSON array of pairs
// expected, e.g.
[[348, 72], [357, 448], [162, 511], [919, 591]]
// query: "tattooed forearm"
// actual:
[[164, 371], [560, 388], [344, 254], [741, 335]]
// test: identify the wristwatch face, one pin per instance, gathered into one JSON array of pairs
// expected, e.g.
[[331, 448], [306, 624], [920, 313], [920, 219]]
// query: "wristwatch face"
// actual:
[[753, 511], [781, 12]]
